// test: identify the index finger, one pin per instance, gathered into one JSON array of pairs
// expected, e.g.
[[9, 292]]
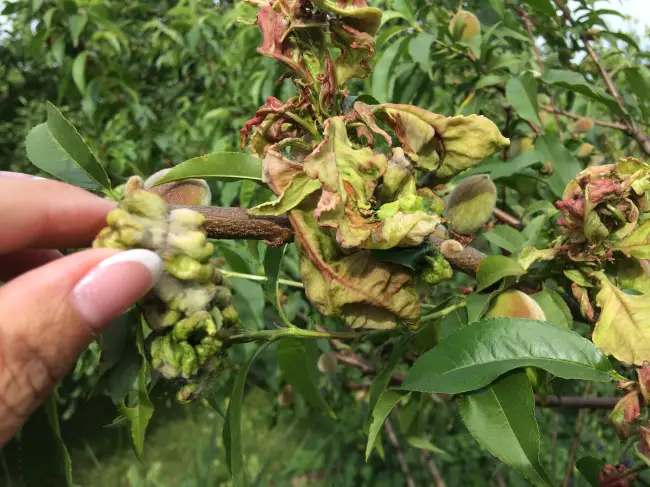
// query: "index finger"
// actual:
[[48, 214]]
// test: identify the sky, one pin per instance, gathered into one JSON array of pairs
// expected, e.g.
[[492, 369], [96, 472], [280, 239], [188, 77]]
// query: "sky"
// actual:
[[637, 10]]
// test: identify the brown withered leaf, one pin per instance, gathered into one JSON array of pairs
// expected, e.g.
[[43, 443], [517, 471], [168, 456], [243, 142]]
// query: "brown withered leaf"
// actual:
[[365, 293], [446, 145]]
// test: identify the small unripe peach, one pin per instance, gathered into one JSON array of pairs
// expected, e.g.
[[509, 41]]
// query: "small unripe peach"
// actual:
[[515, 304], [470, 204], [585, 150], [327, 362], [464, 26], [583, 125]]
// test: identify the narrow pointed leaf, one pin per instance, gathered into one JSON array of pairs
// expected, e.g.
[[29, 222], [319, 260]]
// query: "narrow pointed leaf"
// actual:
[[53, 416], [477, 354], [495, 268], [57, 148], [223, 166], [298, 366], [232, 425], [384, 406], [522, 95], [502, 420]]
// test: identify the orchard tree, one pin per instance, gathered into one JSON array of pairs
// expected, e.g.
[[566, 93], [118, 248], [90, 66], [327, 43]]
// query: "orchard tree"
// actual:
[[494, 264]]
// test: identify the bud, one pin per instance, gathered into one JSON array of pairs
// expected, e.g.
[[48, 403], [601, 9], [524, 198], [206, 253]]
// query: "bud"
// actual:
[[470, 204], [583, 125], [585, 150], [615, 476], [643, 373], [451, 248], [624, 413], [547, 168], [327, 362], [464, 26], [285, 397]]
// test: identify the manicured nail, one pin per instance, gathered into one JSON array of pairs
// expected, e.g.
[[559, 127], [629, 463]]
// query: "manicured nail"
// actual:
[[115, 284]]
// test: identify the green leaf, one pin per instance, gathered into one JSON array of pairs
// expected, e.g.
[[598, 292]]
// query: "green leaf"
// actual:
[[223, 166], [565, 164], [411, 257], [384, 69], [422, 443], [637, 244], [502, 420], [590, 467], [140, 412], [576, 82], [76, 23], [478, 304], [57, 148], [641, 89], [476, 354], [494, 268], [505, 237], [420, 49], [544, 6], [297, 190], [232, 425], [521, 93], [53, 417], [499, 7], [272, 264], [298, 368], [79, 71], [383, 378], [498, 169], [386, 402], [246, 193], [555, 309], [249, 302], [490, 79]]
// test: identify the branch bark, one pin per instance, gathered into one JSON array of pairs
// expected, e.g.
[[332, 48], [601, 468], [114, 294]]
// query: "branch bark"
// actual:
[[236, 223], [388, 426], [575, 116]]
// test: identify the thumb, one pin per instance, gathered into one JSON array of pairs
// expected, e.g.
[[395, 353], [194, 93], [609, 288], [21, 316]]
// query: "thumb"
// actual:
[[49, 315]]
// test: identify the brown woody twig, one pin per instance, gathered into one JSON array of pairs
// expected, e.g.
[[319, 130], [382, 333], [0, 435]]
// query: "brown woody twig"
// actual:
[[529, 27], [433, 469], [507, 218], [576, 440], [388, 426], [236, 223], [575, 116]]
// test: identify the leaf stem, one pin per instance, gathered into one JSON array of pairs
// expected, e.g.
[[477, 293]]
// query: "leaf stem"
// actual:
[[255, 277], [443, 312], [273, 335], [306, 125]]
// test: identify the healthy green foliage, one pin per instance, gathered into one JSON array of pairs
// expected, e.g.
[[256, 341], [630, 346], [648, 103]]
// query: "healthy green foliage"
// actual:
[[478, 353]]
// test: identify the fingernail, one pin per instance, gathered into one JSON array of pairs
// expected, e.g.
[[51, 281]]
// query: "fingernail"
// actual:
[[17, 175], [115, 284]]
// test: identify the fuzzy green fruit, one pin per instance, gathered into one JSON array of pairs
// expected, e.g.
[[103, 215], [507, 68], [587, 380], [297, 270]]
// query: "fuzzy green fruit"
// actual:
[[515, 304], [471, 204], [464, 26]]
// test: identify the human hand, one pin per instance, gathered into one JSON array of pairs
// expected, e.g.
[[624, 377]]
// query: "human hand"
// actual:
[[52, 306]]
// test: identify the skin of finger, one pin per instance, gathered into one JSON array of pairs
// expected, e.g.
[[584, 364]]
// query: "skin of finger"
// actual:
[[16, 263], [48, 214], [41, 334]]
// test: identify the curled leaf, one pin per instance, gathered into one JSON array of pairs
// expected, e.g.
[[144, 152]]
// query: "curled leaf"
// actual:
[[622, 329], [446, 145], [362, 291], [354, 12]]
